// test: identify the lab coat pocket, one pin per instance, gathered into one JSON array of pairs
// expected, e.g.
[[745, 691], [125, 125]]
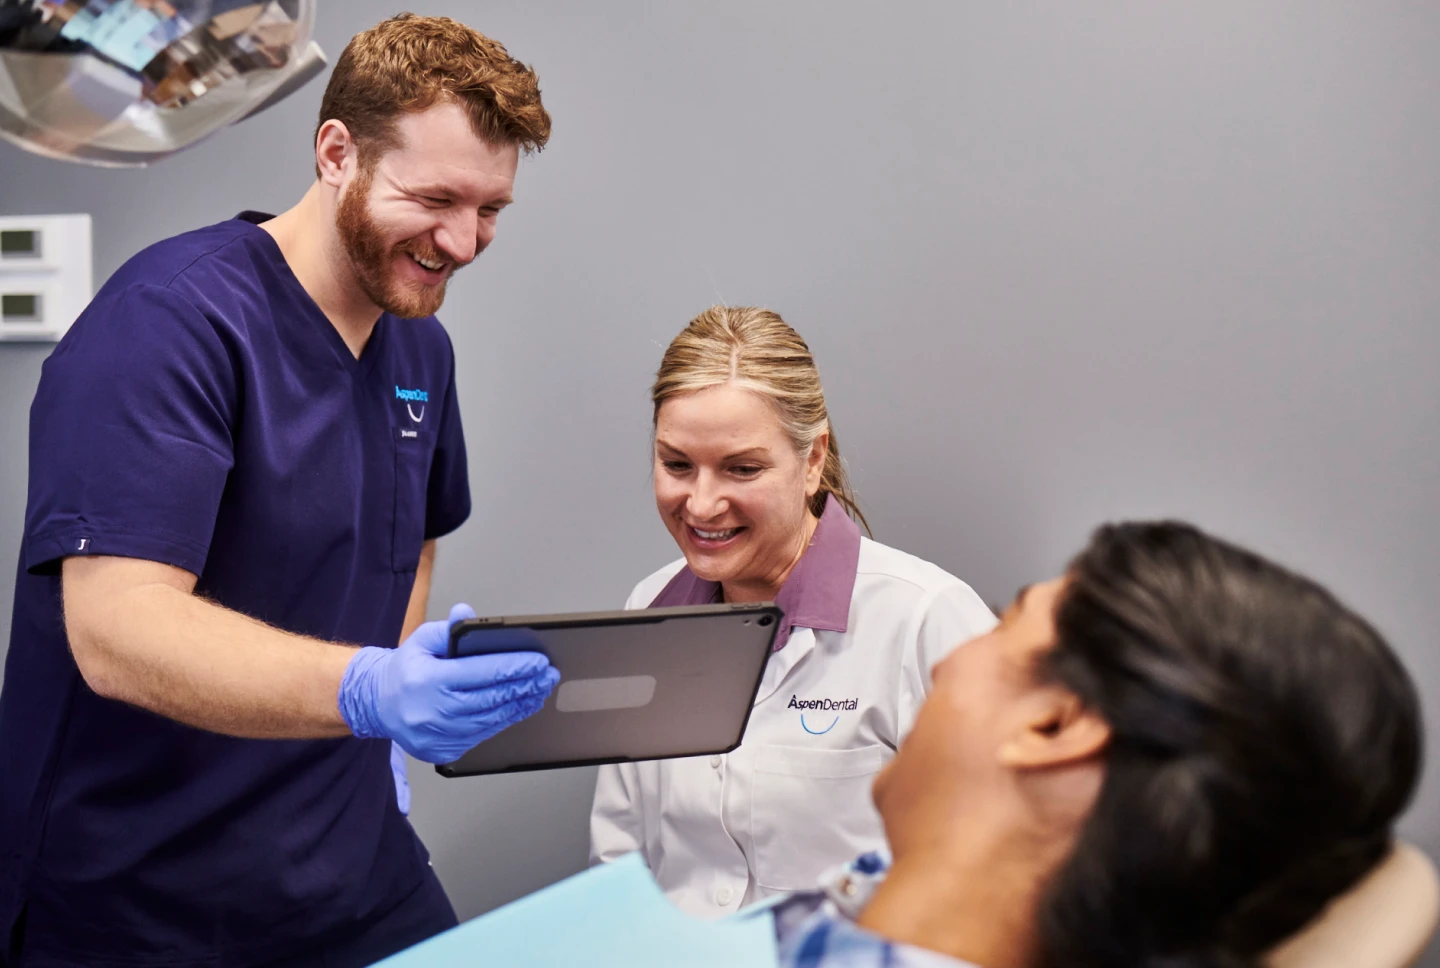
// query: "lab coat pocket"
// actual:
[[810, 810], [414, 450]]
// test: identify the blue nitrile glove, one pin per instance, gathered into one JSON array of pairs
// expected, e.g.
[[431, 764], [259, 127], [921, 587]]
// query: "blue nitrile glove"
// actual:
[[398, 769], [438, 708]]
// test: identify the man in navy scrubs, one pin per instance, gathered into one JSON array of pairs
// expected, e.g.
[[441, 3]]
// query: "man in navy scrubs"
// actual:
[[240, 458]]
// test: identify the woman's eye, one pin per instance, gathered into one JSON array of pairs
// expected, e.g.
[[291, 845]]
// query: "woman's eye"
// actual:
[[746, 470], [675, 466]]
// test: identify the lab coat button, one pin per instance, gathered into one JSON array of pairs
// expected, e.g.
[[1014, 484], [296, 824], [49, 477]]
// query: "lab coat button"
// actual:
[[723, 896], [715, 761]]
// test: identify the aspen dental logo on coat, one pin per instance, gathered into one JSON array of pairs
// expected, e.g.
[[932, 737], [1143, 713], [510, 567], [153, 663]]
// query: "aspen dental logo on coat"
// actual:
[[824, 705], [836, 706]]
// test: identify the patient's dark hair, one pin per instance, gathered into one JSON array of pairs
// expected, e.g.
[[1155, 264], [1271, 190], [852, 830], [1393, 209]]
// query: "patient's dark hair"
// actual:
[[1264, 737]]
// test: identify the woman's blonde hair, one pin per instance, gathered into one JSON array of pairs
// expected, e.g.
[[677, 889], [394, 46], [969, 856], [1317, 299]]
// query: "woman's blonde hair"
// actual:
[[756, 350]]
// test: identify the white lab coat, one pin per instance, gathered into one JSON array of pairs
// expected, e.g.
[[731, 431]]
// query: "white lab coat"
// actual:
[[720, 832]]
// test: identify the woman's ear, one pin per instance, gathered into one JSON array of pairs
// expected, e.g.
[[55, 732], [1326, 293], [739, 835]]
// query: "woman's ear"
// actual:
[[815, 463], [1056, 730]]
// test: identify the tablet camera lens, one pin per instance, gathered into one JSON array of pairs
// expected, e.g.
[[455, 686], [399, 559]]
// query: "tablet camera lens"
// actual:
[[766, 619]]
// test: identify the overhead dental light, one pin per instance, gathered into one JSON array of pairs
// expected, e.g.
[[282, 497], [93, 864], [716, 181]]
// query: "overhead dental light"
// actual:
[[124, 83]]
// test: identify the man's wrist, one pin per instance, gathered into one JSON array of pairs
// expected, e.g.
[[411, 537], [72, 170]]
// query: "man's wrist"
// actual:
[[356, 696]]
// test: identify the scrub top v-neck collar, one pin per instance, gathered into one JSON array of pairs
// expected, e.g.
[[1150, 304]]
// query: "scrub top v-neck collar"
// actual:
[[318, 323]]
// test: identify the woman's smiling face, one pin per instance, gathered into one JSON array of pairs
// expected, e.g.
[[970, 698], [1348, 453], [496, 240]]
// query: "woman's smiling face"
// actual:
[[732, 490]]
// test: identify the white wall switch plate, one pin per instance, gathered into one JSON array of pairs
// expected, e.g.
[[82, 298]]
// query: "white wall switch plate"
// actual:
[[45, 274]]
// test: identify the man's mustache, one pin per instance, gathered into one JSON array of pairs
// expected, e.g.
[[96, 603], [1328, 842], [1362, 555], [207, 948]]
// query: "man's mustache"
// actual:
[[429, 253]]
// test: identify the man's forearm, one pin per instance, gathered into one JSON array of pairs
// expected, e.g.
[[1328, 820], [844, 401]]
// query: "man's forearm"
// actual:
[[420, 594], [166, 650]]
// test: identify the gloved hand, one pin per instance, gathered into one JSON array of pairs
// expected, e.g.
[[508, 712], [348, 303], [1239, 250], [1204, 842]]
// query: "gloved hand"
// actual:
[[438, 708], [398, 769]]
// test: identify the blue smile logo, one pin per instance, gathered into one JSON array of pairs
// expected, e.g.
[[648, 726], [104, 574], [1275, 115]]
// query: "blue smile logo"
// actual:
[[817, 732], [824, 706], [411, 397]]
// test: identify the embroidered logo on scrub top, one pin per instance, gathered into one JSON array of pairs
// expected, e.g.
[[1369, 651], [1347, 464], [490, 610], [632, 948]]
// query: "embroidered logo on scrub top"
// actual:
[[818, 707], [411, 397]]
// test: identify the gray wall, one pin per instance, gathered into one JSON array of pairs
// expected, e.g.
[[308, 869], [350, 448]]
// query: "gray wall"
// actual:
[[1059, 262]]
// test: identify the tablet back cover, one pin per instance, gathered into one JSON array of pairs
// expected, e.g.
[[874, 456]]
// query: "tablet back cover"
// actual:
[[636, 685]]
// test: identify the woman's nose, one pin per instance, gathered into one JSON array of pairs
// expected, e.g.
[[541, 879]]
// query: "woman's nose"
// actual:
[[707, 499]]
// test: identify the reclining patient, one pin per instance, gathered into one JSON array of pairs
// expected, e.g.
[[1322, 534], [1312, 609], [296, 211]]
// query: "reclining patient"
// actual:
[[1174, 756]]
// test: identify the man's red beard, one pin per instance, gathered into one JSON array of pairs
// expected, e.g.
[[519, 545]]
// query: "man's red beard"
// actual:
[[371, 259]]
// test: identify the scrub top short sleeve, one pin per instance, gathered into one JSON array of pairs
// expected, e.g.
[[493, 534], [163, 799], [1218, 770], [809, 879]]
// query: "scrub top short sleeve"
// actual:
[[447, 502], [137, 459]]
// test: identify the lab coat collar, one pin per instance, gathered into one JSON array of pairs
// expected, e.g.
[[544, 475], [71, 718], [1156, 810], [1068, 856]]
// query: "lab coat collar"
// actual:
[[817, 593]]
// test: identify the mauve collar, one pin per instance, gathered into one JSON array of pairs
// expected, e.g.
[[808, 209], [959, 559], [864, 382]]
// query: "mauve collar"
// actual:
[[817, 593]]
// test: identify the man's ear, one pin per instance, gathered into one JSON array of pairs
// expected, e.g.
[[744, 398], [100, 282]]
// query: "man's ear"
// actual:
[[334, 150], [1056, 730]]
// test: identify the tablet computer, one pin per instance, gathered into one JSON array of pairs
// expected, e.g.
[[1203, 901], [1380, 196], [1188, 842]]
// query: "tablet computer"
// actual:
[[644, 684]]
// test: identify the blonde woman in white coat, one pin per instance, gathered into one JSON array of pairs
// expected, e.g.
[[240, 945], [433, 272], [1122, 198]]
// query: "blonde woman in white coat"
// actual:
[[748, 480]]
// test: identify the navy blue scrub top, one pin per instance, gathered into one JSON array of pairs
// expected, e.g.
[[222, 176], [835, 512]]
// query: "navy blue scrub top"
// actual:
[[203, 412]]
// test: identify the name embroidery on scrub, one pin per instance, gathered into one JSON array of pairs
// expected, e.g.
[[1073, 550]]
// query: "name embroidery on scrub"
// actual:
[[412, 397], [836, 706]]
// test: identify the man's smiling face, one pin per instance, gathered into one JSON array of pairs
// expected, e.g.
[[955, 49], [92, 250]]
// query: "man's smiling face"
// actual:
[[423, 209]]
